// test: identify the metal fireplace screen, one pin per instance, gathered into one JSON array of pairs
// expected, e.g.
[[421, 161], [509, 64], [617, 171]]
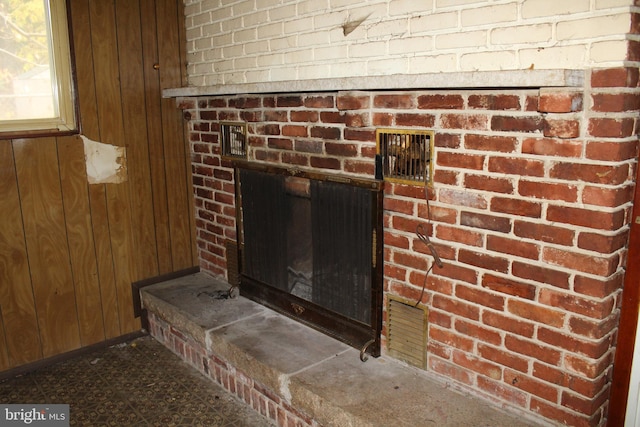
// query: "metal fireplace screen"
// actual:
[[406, 154], [310, 251]]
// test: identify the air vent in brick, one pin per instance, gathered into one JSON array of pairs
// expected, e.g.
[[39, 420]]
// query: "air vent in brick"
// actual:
[[234, 139], [405, 154]]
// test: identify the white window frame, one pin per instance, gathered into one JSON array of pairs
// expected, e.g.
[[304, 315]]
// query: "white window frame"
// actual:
[[65, 117]]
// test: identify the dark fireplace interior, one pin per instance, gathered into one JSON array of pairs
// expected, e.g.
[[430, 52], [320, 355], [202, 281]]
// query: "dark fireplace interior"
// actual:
[[311, 248]]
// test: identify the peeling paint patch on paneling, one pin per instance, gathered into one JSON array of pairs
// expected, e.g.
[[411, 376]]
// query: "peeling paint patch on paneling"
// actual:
[[105, 163]]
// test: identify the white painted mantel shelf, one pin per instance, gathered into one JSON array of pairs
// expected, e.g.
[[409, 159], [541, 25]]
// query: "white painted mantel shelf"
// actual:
[[460, 80]]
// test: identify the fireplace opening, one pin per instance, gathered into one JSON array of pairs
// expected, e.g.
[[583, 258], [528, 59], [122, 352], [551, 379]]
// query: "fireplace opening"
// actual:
[[311, 248]]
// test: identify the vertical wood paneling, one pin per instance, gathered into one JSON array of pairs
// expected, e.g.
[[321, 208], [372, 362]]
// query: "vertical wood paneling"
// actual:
[[153, 100], [107, 76], [173, 131], [84, 266], [130, 55], [45, 235], [70, 250], [20, 324], [4, 351], [97, 193]]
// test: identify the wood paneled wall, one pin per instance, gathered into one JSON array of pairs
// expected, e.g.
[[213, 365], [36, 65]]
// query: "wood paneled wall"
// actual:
[[70, 250]]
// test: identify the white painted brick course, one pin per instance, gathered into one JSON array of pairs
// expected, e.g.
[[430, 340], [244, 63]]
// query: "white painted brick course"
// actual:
[[207, 4], [192, 9], [538, 8], [592, 27], [224, 65], [314, 72], [432, 23], [219, 15], [203, 44], [433, 64], [232, 25], [338, 4], [487, 61], [233, 51], [298, 26], [553, 57], [270, 60], [330, 53], [222, 40], [282, 13], [387, 66], [212, 55], [258, 47], [245, 63], [282, 44], [462, 39], [269, 31], [389, 29], [407, 7], [283, 74], [255, 19], [193, 34], [489, 15], [400, 36], [311, 6], [201, 19], [245, 35], [329, 20], [540, 33], [298, 57], [411, 45], [607, 4], [242, 8], [313, 39], [607, 51], [202, 69], [450, 3], [264, 4], [363, 50], [258, 76], [348, 69], [211, 30]]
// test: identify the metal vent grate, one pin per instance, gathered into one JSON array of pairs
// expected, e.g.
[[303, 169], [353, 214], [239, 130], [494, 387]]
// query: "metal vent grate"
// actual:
[[407, 332], [234, 139], [406, 154]]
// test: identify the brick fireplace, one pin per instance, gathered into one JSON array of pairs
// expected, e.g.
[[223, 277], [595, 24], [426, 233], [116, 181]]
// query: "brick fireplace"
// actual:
[[530, 205]]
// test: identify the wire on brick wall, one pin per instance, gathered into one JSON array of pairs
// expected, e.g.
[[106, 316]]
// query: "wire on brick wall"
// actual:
[[423, 236]]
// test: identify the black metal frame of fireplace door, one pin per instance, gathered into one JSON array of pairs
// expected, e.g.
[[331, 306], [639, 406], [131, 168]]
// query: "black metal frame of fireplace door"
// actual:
[[266, 277]]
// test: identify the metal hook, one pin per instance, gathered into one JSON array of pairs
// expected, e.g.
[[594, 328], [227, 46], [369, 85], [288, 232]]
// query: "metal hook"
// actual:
[[364, 358], [230, 291]]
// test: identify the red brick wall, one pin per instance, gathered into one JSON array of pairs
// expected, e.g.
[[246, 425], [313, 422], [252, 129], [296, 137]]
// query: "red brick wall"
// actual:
[[530, 209]]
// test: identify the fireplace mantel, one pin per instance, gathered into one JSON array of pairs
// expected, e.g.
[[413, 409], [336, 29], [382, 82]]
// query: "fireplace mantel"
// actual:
[[461, 80]]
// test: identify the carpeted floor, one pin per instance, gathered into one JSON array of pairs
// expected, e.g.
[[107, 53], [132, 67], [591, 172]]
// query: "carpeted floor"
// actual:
[[139, 383]]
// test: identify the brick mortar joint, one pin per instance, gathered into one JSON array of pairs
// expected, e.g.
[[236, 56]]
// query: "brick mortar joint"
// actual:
[[233, 375]]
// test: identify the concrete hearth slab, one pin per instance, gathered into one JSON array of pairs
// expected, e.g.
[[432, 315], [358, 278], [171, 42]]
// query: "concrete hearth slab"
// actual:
[[315, 374], [272, 347], [345, 391], [192, 304]]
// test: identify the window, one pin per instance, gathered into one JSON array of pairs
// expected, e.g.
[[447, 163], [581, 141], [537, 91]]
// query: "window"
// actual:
[[36, 84]]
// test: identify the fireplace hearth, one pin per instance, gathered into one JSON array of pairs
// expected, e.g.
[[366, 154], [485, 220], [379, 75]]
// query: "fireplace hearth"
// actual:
[[310, 248]]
